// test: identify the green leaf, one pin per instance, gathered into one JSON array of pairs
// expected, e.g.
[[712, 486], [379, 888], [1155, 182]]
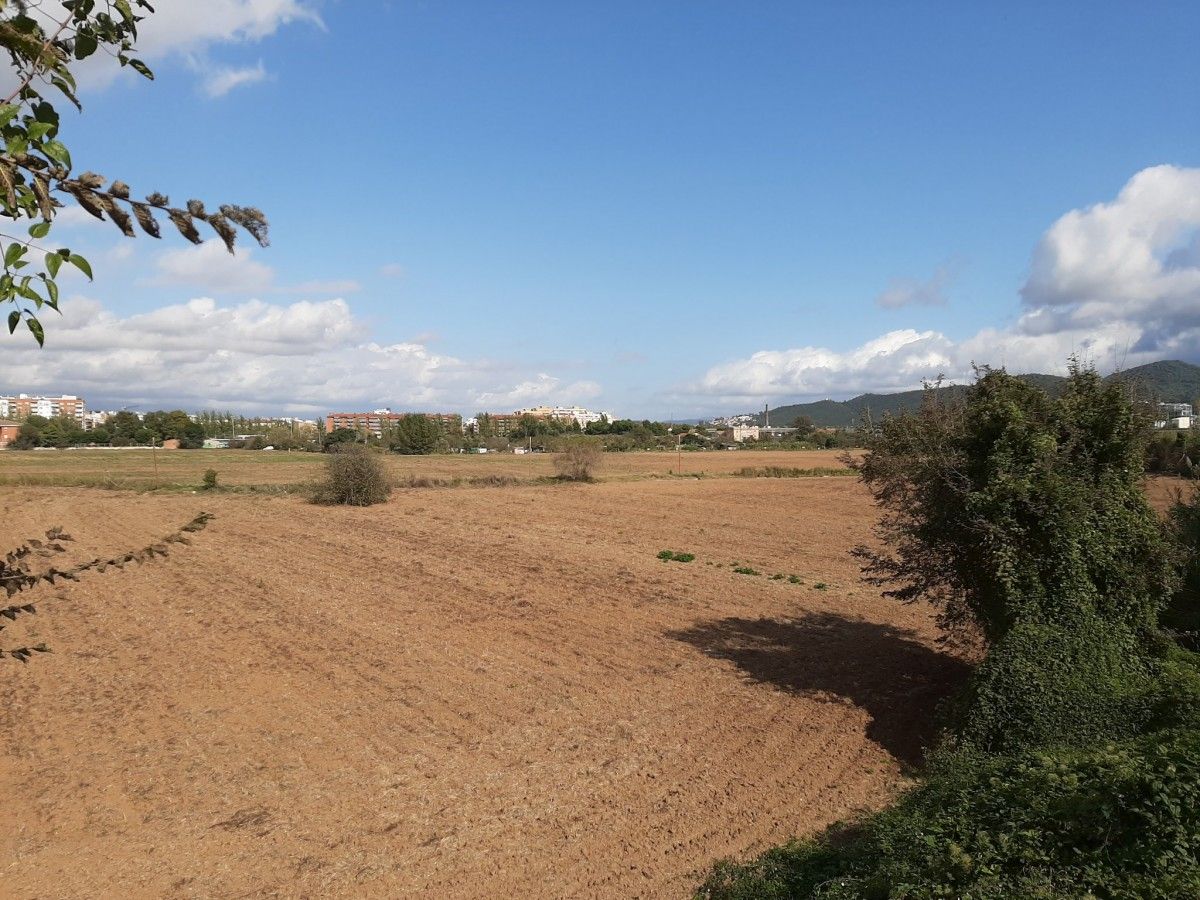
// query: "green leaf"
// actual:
[[52, 290], [38, 130], [14, 252], [53, 262], [58, 152], [141, 68], [36, 327], [81, 264], [14, 319], [39, 229], [85, 44], [7, 111]]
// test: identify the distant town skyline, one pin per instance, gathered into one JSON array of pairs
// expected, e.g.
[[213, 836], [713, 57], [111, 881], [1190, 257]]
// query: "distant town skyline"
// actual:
[[670, 210]]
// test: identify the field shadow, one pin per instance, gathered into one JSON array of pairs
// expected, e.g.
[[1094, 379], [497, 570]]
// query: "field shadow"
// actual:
[[884, 670]]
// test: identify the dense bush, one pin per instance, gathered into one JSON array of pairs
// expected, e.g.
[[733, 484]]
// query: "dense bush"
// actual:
[[1115, 821], [354, 477], [1014, 507], [1046, 685], [1182, 615], [1072, 765], [577, 461]]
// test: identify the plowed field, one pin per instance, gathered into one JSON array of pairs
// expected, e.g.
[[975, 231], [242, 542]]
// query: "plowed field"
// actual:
[[486, 692]]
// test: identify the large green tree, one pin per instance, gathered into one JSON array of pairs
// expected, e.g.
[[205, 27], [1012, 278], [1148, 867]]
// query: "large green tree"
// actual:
[[37, 172]]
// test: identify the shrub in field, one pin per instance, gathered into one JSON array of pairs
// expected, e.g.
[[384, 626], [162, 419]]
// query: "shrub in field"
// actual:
[[354, 477], [578, 461], [210, 479], [745, 570]]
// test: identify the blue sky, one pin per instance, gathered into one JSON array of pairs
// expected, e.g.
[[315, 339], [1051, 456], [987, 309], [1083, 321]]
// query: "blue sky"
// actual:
[[655, 209]]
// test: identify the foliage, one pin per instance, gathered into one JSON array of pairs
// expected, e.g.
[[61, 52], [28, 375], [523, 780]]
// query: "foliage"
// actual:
[[1045, 685], [210, 479], [36, 166], [1015, 507], [577, 461], [1182, 615], [1114, 821], [354, 477], [674, 556], [414, 434], [745, 570]]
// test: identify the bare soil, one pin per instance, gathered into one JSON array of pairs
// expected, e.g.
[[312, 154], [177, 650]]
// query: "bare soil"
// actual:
[[461, 693]]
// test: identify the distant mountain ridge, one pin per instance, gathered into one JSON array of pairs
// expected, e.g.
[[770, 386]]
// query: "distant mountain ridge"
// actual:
[[1171, 380]]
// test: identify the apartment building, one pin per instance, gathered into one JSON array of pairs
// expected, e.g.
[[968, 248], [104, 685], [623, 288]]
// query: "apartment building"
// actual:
[[380, 420], [496, 424], [565, 414], [22, 406]]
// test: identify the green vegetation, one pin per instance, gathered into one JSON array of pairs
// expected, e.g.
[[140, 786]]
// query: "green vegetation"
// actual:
[[785, 472], [414, 435], [745, 570], [673, 556], [354, 477], [210, 479], [820, 586], [1070, 765]]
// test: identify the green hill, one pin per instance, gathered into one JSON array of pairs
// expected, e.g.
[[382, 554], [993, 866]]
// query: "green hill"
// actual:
[[1168, 380]]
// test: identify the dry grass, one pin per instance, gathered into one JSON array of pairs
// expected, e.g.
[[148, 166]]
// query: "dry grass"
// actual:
[[286, 472]]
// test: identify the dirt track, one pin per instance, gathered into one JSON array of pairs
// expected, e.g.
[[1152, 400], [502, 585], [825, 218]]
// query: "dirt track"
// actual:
[[464, 693]]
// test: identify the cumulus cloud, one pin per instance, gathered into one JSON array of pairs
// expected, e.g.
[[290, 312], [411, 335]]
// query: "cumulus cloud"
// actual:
[[210, 267], [1117, 283], [306, 358], [220, 80], [902, 292], [191, 30]]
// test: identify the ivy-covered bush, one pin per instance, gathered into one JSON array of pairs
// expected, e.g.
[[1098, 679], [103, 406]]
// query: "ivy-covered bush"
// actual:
[[1114, 821]]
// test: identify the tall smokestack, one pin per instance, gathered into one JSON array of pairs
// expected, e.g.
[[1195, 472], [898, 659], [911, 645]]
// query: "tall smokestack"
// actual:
[[767, 415]]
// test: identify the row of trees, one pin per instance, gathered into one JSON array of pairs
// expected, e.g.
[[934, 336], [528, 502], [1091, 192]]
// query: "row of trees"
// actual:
[[123, 429]]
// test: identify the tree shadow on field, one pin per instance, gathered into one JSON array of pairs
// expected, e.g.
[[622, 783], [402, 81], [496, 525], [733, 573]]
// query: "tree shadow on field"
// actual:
[[884, 670]]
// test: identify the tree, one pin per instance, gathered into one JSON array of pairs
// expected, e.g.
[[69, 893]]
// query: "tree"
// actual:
[[1015, 507], [414, 434], [804, 427], [36, 169]]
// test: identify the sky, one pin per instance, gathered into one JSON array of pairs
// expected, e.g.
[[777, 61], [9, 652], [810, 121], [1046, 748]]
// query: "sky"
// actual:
[[663, 210]]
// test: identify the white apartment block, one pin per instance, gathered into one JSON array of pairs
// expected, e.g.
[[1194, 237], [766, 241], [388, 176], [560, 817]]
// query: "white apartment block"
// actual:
[[566, 414], [22, 406]]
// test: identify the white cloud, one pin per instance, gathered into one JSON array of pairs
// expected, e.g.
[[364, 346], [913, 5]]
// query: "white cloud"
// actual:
[[392, 270], [190, 30], [344, 286], [306, 357], [220, 80], [903, 292], [210, 267], [1117, 283]]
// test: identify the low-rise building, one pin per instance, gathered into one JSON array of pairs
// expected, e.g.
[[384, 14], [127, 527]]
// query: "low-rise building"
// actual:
[[8, 431], [741, 433], [22, 406]]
